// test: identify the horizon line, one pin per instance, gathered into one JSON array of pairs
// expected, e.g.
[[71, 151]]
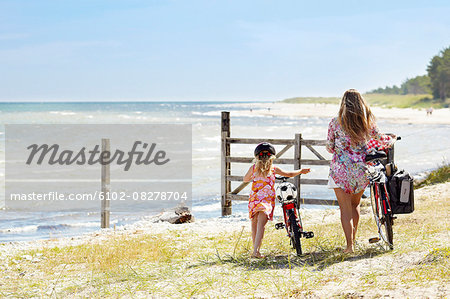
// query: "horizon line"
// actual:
[[159, 101]]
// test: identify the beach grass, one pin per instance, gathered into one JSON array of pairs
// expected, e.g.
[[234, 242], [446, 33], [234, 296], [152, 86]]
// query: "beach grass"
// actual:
[[181, 263], [383, 100], [404, 101], [440, 175]]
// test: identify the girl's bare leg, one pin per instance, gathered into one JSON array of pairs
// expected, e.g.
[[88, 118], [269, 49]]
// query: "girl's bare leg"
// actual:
[[254, 228], [261, 226], [345, 206]]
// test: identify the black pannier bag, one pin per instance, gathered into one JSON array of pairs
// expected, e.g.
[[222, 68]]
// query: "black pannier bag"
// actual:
[[401, 192]]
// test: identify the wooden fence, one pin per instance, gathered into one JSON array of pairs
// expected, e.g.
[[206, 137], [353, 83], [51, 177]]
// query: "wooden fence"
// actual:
[[298, 142]]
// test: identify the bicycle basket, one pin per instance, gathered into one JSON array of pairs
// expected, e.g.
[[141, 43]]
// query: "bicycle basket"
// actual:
[[401, 192]]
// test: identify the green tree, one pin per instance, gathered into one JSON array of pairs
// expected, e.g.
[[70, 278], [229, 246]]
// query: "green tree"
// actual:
[[439, 72], [388, 90], [417, 85]]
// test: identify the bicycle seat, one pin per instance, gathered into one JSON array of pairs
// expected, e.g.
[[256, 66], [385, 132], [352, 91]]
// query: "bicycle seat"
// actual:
[[375, 156]]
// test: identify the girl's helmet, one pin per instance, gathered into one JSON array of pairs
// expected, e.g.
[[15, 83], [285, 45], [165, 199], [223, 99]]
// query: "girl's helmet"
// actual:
[[264, 149]]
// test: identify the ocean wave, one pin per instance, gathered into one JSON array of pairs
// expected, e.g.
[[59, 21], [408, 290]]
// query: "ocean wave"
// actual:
[[49, 227], [27, 228], [207, 208], [205, 159], [207, 113], [207, 149], [212, 138], [238, 113], [62, 112]]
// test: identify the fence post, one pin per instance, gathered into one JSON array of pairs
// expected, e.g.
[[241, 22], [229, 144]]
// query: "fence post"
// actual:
[[105, 185], [225, 166], [297, 163]]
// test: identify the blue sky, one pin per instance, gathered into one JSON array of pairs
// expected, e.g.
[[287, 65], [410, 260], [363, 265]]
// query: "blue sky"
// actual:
[[88, 50]]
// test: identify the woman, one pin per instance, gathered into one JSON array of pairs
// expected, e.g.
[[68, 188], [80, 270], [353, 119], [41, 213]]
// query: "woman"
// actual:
[[348, 134]]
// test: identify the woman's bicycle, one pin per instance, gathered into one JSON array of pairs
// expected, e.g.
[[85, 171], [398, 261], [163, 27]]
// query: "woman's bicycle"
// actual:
[[286, 193], [379, 169]]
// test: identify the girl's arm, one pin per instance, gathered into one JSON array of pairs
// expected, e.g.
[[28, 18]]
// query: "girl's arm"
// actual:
[[248, 175], [290, 174]]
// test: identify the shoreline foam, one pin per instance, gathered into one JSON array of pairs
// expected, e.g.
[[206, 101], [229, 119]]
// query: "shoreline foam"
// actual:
[[395, 115]]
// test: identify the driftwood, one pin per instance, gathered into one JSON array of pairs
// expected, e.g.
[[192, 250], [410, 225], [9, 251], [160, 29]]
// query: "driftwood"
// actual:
[[177, 215]]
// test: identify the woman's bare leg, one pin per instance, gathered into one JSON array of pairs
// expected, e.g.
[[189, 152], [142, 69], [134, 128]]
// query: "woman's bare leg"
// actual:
[[345, 206], [356, 199]]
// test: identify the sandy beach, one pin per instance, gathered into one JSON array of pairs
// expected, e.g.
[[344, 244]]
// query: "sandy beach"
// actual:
[[348, 276], [153, 225], [397, 115], [202, 228]]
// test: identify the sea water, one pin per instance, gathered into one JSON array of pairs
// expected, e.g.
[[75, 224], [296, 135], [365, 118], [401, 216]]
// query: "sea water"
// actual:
[[422, 148]]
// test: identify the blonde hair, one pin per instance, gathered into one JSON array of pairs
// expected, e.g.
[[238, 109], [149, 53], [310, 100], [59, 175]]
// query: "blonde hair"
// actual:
[[263, 167], [355, 116]]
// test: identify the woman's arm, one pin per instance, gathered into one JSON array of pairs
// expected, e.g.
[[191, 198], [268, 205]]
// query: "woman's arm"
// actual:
[[330, 137], [290, 174], [385, 140], [248, 175]]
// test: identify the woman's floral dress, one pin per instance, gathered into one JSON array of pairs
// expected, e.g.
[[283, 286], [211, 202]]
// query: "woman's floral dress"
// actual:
[[262, 196], [348, 166]]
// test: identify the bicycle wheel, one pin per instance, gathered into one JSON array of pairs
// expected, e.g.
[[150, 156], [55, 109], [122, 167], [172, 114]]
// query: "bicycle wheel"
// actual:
[[295, 233], [299, 220], [389, 231], [383, 222]]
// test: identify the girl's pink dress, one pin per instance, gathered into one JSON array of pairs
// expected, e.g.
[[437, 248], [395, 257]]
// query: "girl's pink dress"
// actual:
[[262, 196]]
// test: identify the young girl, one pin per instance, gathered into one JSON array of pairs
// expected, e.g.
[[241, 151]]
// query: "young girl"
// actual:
[[262, 197]]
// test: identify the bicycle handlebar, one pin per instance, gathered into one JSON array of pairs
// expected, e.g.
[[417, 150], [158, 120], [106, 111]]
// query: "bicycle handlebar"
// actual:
[[379, 155], [376, 156], [281, 178]]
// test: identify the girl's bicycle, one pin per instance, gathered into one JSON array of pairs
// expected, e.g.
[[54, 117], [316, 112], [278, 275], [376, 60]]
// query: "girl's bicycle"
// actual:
[[287, 195], [379, 169]]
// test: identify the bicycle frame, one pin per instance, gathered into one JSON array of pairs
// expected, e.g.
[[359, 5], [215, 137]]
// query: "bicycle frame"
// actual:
[[292, 221], [288, 209], [381, 206], [385, 204]]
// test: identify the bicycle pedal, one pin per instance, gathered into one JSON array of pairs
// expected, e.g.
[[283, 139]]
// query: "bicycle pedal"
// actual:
[[279, 225], [308, 235], [374, 240]]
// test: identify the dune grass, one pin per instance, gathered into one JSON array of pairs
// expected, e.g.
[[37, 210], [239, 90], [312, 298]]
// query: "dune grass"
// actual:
[[384, 100], [404, 101], [440, 175], [190, 264]]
